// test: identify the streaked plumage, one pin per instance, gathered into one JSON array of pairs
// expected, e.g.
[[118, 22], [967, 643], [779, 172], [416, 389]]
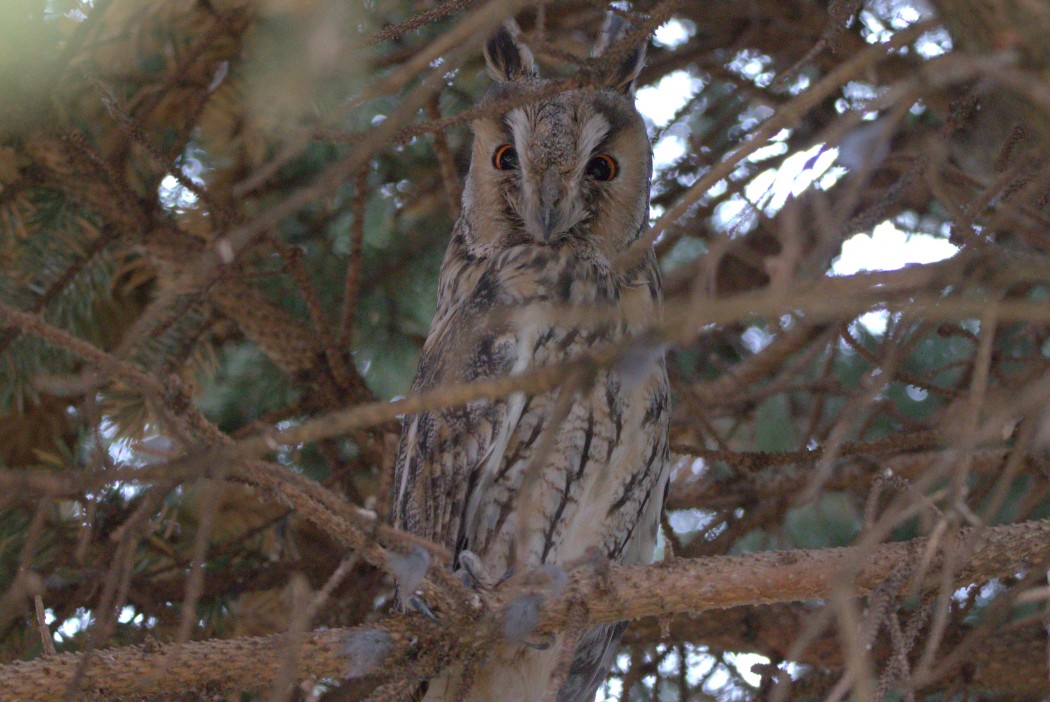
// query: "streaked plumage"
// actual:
[[528, 281]]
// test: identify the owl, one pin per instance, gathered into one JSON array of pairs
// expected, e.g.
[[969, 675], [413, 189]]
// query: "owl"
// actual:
[[556, 189]]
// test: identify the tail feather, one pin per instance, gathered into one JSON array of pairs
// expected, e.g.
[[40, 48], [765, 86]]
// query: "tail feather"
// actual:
[[594, 658]]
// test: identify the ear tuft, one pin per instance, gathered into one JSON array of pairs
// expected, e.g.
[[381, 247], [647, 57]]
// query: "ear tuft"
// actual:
[[622, 74], [507, 58]]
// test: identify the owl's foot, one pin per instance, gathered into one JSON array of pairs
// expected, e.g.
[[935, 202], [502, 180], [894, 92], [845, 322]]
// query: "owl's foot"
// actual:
[[540, 642], [421, 607], [473, 572], [521, 615]]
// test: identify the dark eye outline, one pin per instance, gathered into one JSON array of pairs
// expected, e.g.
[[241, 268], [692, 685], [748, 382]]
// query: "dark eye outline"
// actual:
[[597, 163], [505, 152]]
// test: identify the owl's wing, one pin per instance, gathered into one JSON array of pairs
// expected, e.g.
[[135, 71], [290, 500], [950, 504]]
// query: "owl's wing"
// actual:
[[440, 450]]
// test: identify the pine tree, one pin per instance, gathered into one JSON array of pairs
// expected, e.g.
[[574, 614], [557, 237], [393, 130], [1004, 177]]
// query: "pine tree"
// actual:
[[220, 228]]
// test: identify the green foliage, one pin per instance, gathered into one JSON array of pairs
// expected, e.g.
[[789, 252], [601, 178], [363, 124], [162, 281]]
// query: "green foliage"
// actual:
[[244, 388], [774, 430]]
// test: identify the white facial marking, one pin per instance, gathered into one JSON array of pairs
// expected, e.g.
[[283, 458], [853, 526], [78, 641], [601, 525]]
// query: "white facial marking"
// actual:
[[594, 130], [518, 122]]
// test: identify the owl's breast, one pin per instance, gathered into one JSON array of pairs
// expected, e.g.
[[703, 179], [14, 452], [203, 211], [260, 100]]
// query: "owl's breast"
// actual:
[[578, 467], [542, 478], [536, 274]]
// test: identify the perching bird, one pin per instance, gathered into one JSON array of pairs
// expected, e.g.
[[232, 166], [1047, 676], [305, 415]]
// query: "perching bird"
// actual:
[[556, 189]]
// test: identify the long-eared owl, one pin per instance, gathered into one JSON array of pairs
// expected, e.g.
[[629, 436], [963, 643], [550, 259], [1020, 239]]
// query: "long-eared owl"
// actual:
[[557, 187]]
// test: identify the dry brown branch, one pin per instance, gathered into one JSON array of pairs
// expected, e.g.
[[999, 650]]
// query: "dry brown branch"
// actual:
[[171, 400], [757, 460], [322, 326], [628, 592], [848, 475], [758, 366], [41, 622], [423, 18], [352, 279], [31, 323], [786, 116], [818, 304], [446, 164]]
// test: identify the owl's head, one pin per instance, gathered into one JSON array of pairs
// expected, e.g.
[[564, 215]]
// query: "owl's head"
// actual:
[[572, 168]]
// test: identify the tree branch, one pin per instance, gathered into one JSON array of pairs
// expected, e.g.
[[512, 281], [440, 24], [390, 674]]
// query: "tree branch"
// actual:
[[1008, 667], [412, 645]]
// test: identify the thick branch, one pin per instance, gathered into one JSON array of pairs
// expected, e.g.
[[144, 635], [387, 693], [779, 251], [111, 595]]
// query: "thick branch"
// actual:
[[1007, 667], [625, 592]]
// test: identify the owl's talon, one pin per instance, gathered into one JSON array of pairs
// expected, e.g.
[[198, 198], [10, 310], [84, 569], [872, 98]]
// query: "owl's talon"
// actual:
[[541, 642], [468, 580], [473, 571], [421, 607], [505, 577]]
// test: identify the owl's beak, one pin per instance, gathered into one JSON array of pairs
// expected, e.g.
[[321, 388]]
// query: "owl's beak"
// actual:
[[549, 223], [551, 193]]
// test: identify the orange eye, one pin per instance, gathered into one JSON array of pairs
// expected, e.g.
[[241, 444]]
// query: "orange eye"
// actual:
[[505, 158], [602, 167]]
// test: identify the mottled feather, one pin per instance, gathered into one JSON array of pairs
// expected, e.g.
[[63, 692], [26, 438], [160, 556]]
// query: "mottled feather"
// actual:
[[527, 281]]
